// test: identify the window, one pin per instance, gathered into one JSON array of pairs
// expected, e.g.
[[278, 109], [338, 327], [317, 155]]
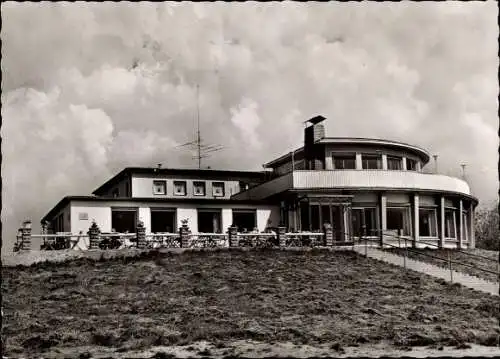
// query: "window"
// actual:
[[465, 235], [371, 162], [159, 187], [180, 188], [127, 189], [411, 165], [243, 186], [244, 220], [394, 163], [363, 217], [123, 220], [199, 188], [163, 220], [450, 229], [344, 162], [209, 221], [427, 222], [115, 192], [399, 218], [218, 189]]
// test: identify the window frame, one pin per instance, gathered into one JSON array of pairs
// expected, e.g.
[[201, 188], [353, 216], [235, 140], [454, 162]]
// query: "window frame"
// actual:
[[344, 157], [370, 156], [215, 185], [407, 232], [414, 162], [203, 185], [433, 220], [451, 211], [179, 182], [392, 159], [164, 183]]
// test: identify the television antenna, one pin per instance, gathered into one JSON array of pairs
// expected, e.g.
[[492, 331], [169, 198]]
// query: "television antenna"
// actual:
[[202, 150]]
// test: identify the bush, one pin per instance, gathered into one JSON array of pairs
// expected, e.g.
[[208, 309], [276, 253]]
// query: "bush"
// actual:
[[487, 228]]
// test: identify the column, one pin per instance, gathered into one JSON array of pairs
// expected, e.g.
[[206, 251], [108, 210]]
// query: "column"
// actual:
[[416, 229], [383, 217], [94, 236], [404, 163], [441, 223], [472, 239], [328, 161], [282, 236], [460, 224], [384, 162], [328, 231], [359, 162], [233, 236], [418, 166], [185, 234], [141, 235], [26, 236]]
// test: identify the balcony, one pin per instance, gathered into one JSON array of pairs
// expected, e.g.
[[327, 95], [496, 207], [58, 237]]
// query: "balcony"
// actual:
[[357, 179], [378, 179]]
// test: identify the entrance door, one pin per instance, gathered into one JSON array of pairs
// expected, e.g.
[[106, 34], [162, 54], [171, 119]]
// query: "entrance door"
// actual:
[[209, 221], [124, 220]]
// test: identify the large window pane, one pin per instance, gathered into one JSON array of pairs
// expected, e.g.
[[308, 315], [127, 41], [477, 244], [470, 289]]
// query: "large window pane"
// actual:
[[450, 229], [399, 218], [427, 222], [411, 165], [371, 162], [315, 225], [394, 163], [344, 162], [163, 221]]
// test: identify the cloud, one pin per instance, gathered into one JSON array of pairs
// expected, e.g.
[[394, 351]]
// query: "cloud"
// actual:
[[90, 88]]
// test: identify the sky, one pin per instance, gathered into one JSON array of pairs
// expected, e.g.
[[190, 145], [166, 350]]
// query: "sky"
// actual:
[[90, 88]]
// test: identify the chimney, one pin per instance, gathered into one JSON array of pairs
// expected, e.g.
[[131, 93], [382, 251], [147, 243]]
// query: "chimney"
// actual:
[[313, 132]]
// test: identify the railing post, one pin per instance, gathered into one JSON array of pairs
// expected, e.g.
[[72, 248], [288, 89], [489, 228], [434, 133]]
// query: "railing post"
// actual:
[[26, 236], [94, 234], [185, 234], [451, 269], [363, 234], [328, 231], [233, 236], [141, 235], [406, 249], [282, 236]]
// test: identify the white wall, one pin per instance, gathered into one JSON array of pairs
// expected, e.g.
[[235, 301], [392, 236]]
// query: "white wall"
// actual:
[[99, 211]]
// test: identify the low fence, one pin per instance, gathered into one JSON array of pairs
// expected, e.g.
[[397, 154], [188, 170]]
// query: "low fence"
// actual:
[[184, 238]]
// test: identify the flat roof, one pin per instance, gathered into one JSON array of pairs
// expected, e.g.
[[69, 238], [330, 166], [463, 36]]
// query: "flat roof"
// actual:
[[178, 171], [418, 151], [66, 200]]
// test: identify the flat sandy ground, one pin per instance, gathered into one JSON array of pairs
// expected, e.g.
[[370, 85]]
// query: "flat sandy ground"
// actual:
[[231, 302]]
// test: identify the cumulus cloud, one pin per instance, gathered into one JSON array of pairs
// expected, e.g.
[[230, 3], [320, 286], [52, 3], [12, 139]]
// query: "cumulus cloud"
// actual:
[[90, 88]]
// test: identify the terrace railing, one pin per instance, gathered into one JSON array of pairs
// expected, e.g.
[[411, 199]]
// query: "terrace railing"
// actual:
[[208, 240], [407, 243]]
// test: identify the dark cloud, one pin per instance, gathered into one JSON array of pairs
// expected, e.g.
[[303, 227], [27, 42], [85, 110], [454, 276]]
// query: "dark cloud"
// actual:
[[91, 88]]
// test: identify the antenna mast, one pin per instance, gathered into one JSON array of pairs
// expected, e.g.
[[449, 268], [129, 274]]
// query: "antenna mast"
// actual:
[[198, 140], [201, 149]]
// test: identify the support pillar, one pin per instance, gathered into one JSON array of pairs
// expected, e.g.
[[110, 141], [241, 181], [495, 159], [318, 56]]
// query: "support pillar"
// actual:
[[441, 223], [26, 236], [94, 234], [384, 162], [472, 239], [359, 162], [233, 236], [282, 236], [383, 218], [404, 164], [185, 234], [141, 235], [416, 224], [460, 224], [328, 231]]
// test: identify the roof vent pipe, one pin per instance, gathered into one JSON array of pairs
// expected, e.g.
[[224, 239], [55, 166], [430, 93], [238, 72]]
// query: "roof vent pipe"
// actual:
[[435, 163]]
